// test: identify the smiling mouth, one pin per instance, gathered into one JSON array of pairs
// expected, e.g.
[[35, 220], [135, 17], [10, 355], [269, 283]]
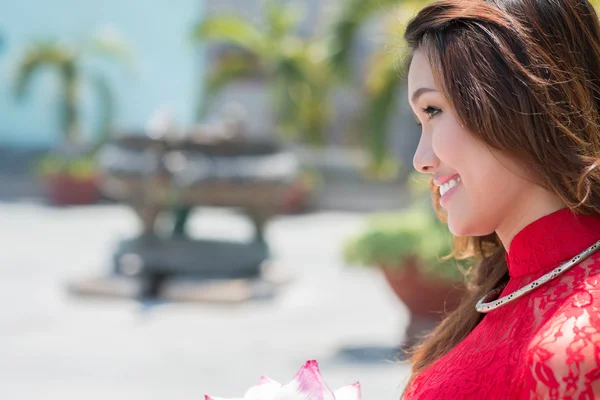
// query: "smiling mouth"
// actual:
[[449, 185]]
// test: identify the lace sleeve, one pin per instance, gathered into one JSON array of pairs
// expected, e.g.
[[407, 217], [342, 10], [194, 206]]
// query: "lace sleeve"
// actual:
[[563, 359]]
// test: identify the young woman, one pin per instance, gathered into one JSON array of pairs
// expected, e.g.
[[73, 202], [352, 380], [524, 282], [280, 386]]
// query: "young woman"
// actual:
[[508, 96]]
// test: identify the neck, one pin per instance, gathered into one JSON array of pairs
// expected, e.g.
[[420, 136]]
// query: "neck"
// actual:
[[532, 207]]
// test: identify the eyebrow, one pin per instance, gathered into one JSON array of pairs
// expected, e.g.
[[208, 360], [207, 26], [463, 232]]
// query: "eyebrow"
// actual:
[[415, 96]]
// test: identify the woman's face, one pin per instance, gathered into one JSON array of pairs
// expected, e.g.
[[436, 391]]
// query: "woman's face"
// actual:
[[477, 186]]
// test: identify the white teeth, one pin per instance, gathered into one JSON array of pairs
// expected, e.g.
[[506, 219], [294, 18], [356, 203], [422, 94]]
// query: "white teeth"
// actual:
[[448, 185]]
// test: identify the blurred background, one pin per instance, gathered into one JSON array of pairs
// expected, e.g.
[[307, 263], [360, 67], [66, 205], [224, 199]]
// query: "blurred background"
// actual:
[[195, 194]]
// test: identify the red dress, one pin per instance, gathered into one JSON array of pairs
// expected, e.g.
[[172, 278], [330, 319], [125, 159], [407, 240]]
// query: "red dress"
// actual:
[[545, 344]]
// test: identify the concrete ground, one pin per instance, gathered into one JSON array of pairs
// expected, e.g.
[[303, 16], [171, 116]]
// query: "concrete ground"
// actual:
[[57, 346]]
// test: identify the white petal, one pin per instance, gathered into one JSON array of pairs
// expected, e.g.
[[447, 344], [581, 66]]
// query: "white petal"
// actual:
[[207, 397], [351, 392], [308, 384], [265, 380], [265, 390], [289, 393]]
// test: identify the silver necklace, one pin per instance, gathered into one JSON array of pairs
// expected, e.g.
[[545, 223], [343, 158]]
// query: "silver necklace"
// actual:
[[484, 307]]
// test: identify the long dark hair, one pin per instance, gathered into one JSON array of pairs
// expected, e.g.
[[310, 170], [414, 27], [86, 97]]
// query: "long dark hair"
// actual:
[[523, 76]]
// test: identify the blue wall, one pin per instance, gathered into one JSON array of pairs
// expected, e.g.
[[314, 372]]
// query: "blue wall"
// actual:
[[167, 67]]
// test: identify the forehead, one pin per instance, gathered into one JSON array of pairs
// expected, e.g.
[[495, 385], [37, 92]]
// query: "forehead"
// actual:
[[419, 73]]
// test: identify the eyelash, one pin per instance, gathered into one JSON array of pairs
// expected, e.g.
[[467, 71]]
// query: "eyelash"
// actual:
[[430, 111]]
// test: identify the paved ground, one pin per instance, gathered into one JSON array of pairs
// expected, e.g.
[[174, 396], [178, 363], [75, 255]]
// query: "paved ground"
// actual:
[[55, 346]]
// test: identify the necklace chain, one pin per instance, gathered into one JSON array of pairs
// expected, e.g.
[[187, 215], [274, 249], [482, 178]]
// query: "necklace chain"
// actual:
[[484, 307]]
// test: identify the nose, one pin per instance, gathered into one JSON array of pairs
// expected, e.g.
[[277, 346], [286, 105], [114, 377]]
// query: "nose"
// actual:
[[425, 160]]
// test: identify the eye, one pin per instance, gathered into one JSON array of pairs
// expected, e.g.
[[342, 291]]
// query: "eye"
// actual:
[[431, 111]]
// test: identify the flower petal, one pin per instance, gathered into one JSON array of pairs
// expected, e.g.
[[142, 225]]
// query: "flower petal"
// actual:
[[265, 380], [265, 390], [207, 397], [351, 392], [308, 384]]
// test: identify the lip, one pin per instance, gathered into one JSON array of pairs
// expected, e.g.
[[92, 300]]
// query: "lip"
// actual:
[[444, 199], [440, 180]]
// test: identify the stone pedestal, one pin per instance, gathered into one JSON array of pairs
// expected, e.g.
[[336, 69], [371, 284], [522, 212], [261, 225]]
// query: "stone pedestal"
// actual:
[[153, 260]]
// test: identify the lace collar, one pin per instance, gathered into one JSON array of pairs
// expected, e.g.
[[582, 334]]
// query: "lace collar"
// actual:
[[552, 239]]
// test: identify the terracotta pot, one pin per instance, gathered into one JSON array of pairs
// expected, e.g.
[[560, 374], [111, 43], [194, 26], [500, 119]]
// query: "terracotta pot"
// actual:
[[422, 294], [296, 199], [66, 190], [428, 299]]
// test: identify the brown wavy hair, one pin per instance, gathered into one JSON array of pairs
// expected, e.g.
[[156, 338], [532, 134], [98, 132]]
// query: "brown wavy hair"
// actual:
[[523, 76]]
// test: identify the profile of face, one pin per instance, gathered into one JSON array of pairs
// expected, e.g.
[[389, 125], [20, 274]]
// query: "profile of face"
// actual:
[[480, 189]]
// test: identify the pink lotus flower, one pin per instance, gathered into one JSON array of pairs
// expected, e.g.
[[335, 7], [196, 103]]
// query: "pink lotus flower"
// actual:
[[308, 384]]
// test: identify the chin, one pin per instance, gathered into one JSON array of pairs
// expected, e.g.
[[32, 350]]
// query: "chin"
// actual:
[[462, 227], [456, 231]]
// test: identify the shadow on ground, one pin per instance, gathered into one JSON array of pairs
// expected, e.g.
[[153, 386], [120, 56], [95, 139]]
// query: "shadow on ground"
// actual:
[[370, 355]]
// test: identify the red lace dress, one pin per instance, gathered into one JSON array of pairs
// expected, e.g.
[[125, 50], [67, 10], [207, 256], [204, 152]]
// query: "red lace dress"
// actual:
[[544, 345]]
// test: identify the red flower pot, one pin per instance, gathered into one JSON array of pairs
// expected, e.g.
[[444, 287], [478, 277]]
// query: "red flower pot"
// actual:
[[64, 190], [428, 299]]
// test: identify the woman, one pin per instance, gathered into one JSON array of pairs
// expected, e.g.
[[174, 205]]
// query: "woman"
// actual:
[[508, 96]]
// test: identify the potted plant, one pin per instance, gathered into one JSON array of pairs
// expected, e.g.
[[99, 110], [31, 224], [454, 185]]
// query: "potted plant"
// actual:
[[410, 247], [68, 171], [69, 180]]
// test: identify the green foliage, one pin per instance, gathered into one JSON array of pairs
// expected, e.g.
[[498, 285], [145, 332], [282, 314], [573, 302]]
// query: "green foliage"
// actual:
[[67, 62], [345, 29], [81, 167], [385, 70], [391, 238], [416, 232], [232, 30], [302, 71], [296, 68]]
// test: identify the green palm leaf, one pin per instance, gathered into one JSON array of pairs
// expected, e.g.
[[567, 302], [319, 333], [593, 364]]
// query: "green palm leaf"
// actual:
[[108, 44], [379, 108], [229, 70], [385, 74], [298, 80], [345, 29], [281, 18], [62, 59], [38, 56], [106, 107], [68, 64], [233, 30]]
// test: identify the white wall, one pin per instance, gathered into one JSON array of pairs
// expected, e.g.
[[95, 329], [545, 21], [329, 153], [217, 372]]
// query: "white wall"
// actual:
[[168, 67]]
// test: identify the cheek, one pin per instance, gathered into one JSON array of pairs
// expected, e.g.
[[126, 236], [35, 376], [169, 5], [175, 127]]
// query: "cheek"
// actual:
[[460, 152], [450, 145], [487, 179]]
